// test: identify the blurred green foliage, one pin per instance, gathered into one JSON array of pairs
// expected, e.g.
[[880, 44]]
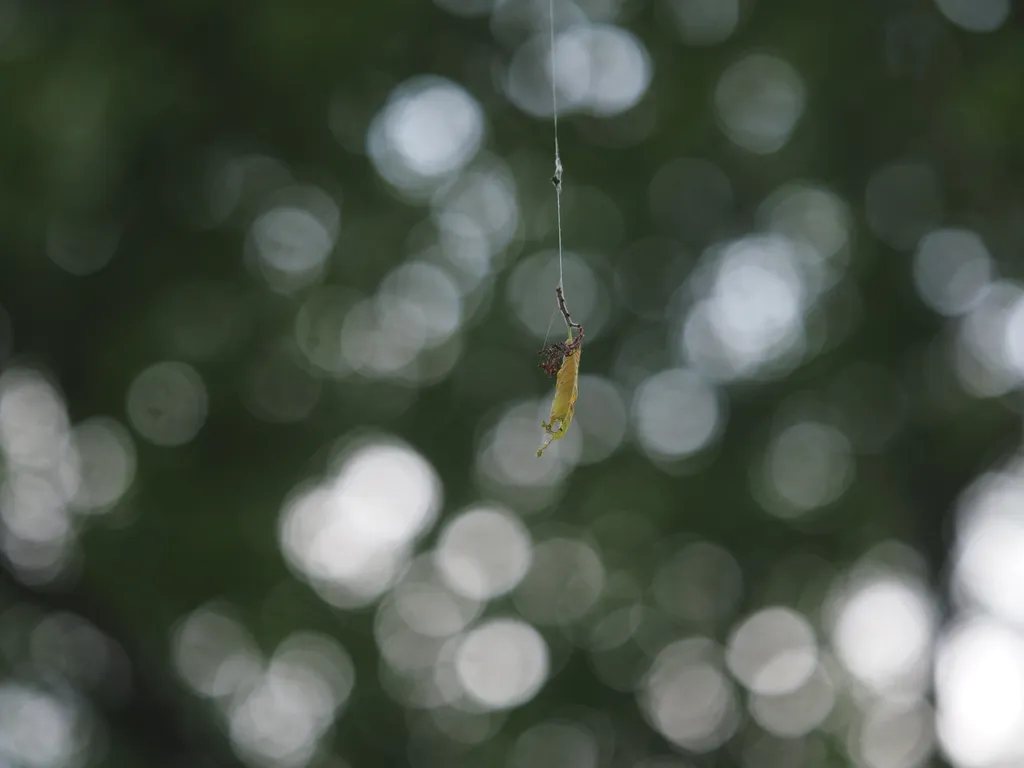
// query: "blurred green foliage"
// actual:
[[139, 143]]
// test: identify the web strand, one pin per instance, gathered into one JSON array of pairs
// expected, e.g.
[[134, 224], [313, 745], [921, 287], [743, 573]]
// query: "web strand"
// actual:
[[557, 178]]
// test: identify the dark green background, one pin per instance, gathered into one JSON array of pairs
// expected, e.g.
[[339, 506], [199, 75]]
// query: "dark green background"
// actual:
[[108, 112]]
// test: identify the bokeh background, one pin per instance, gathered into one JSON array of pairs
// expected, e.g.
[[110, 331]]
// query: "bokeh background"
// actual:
[[272, 281]]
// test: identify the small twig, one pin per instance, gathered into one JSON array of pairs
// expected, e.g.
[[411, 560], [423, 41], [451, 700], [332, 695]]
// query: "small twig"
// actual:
[[565, 312], [568, 320], [554, 354]]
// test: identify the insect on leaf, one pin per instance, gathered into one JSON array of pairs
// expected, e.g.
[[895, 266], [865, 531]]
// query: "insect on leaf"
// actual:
[[566, 389]]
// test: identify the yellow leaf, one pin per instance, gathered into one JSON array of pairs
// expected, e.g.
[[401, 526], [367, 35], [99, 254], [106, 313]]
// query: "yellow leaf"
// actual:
[[566, 389]]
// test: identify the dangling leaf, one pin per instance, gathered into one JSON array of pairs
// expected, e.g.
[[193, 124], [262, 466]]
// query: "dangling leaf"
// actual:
[[566, 389]]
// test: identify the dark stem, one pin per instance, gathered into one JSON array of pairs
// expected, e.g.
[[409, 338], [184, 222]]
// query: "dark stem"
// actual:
[[568, 320], [554, 354], [565, 312]]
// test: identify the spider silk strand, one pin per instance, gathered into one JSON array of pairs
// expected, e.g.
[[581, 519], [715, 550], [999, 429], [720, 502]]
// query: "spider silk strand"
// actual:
[[558, 157]]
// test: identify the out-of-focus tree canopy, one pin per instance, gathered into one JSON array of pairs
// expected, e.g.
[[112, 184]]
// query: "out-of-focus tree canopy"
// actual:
[[273, 276]]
